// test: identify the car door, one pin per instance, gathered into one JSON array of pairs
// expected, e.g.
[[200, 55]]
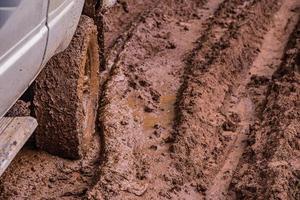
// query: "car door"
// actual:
[[23, 38]]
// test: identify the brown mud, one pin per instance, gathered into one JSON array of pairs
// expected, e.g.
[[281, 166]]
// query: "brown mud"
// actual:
[[270, 167], [201, 101]]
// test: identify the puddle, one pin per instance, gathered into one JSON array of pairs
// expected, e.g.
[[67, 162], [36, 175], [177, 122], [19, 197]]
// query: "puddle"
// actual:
[[164, 116]]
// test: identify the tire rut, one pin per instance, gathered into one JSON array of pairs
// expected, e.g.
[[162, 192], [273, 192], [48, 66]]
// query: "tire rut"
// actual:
[[155, 161], [145, 106], [200, 141], [239, 103], [268, 168]]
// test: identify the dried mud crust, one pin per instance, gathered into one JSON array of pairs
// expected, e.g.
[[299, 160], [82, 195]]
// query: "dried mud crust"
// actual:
[[66, 95], [270, 168]]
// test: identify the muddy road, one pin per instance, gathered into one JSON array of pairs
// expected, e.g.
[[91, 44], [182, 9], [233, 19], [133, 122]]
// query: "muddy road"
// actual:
[[200, 99]]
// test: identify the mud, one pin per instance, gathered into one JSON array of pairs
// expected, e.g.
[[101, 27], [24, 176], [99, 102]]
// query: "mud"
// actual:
[[270, 165], [21, 108], [200, 100]]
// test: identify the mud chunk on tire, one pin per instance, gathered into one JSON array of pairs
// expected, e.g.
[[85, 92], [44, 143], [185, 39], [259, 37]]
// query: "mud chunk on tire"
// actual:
[[66, 95]]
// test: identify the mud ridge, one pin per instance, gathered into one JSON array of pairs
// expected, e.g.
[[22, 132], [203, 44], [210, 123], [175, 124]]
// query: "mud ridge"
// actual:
[[200, 140], [243, 97], [270, 166]]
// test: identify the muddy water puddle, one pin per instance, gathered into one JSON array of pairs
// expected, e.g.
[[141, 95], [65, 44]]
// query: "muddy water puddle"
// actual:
[[163, 117]]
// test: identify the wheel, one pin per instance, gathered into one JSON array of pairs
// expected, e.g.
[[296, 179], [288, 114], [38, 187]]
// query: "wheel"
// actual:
[[66, 95]]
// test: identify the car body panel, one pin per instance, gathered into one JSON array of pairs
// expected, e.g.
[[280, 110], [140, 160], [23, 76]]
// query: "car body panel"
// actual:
[[63, 17], [23, 37], [31, 32]]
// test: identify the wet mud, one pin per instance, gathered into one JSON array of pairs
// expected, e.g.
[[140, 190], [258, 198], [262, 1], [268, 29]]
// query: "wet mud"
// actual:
[[269, 168], [199, 100]]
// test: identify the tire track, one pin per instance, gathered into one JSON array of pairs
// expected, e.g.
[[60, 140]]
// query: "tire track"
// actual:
[[142, 89], [200, 140], [269, 169], [240, 102]]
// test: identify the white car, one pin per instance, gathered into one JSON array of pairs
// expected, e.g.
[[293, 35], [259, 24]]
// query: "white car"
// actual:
[[32, 32]]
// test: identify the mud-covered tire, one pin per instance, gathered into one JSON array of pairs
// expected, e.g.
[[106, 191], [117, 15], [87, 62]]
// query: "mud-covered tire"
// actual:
[[66, 95]]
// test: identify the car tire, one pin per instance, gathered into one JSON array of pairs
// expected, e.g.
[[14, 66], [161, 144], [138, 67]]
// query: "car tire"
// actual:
[[66, 96]]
